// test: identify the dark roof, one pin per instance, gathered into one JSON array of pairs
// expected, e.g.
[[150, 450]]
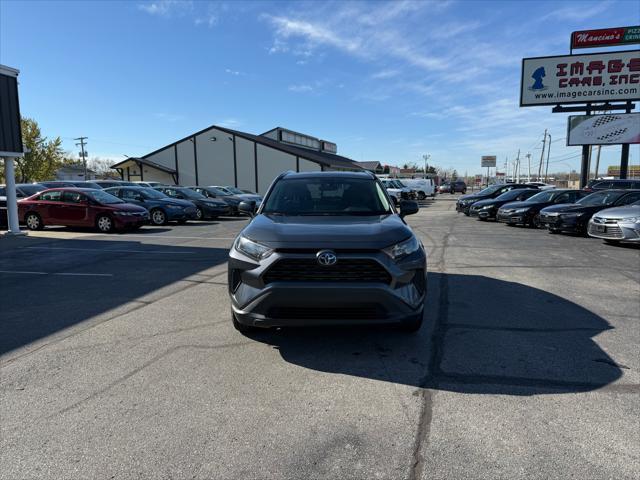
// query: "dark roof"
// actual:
[[144, 161], [366, 174], [325, 158]]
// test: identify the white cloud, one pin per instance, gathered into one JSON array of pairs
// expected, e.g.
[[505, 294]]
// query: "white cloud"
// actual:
[[210, 20], [232, 72], [382, 74], [165, 8], [229, 123], [302, 88], [578, 11]]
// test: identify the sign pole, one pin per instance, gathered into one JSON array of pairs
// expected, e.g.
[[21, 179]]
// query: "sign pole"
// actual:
[[12, 203], [584, 167]]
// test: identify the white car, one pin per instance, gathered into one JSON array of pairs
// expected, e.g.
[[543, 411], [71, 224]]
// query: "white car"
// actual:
[[424, 187], [394, 193]]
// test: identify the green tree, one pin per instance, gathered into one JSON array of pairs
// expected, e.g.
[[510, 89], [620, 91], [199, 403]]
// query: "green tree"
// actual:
[[44, 156]]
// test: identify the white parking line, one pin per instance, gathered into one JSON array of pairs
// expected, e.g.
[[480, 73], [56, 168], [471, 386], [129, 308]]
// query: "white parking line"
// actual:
[[110, 250], [22, 272]]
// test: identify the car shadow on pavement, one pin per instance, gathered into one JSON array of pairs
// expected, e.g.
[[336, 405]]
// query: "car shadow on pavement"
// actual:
[[481, 335], [48, 285]]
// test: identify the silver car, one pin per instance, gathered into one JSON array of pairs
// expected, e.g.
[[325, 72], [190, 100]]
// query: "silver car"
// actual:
[[619, 224]]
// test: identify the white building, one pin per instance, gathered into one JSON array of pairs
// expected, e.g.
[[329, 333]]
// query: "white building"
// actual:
[[221, 156]]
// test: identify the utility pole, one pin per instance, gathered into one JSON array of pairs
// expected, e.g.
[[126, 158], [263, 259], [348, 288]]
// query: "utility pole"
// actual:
[[518, 166], [528, 167], [544, 140], [595, 176], [83, 154], [425, 158], [546, 170]]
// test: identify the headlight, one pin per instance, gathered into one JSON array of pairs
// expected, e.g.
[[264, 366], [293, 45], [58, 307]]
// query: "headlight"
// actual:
[[521, 210], [175, 207], [404, 248], [123, 213], [252, 249], [571, 215], [630, 220], [486, 207]]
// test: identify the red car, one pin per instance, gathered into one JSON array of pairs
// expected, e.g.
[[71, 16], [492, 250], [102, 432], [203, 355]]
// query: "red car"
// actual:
[[80, 207]]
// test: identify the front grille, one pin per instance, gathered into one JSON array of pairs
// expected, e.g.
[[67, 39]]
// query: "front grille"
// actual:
[[609, 232], [345, 270], [356, 312]]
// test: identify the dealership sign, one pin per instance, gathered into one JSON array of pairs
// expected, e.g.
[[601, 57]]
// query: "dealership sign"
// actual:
[[488, 161], [594, 77], [605, 37], [609, 129]]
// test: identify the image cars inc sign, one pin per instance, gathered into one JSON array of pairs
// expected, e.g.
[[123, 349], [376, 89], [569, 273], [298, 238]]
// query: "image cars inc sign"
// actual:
[[605, 37], [594, 77]]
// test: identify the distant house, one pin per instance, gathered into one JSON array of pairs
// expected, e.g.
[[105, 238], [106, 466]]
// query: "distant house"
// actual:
[[74, 173], [375, 167]]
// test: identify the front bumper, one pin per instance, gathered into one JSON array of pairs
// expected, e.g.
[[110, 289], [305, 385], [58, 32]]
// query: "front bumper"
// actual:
[[464, 208], [512, 218], [122, 222], [188, 213], [483, 214], [216, 210], [297, 303], [560, 223], [616, 230]]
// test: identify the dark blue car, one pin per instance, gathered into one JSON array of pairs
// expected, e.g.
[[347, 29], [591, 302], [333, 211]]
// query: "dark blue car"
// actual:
[[162, 209], [205, 207]]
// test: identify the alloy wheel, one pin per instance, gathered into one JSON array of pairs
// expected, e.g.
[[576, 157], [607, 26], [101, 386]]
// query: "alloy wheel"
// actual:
[[158, 217], [105, 224], [33, 221]]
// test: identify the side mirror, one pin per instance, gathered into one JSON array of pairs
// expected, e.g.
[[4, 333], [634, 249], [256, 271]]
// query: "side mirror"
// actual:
[[408, 207], [248, 207]]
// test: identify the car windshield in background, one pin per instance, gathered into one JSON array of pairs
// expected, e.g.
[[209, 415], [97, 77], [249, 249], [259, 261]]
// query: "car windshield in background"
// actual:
[[103, 197], [219, 191], [490, 189], [511, 194], [331, 196], [543, 197], [31, 189], [600, 198], [152, 194], [235, 191], [187, 192]]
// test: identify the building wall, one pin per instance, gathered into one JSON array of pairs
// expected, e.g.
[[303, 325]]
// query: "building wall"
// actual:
[[271, 163], [215, 158], [273, 134], [245, 164], [309, 166], [186, 163], [164, 157], [154, 175]]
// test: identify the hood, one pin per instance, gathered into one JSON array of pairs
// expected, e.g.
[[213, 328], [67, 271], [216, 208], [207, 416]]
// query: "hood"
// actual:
[[572, 207], [473, 196], [620, 212], [179, 202], [484, 203], [126, 207], [510, 205], [360, 232]]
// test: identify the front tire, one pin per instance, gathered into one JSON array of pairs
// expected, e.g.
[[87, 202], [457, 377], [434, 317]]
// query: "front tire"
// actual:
[[104, 224], [421, 196], [535, 221], [158, 217], [33, 221], [612, 242], [199, 214]]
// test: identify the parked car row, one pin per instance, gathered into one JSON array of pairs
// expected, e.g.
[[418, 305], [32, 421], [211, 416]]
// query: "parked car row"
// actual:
[[409, 189], [612, 214], [117, 205]]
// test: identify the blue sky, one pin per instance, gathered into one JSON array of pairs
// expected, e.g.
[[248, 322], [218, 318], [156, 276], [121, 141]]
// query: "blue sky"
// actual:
[[387, 81]]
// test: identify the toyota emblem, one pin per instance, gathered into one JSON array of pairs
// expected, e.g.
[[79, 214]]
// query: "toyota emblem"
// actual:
[[326, 258]]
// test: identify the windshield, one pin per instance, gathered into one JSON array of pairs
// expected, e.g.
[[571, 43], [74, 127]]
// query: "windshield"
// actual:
[[327, 196], [510, 195], [490, 189], [31, 189], [543, 197], [237, 191], [600, 198], [152, 194], [103, 197], [218, 191], [187, 192]]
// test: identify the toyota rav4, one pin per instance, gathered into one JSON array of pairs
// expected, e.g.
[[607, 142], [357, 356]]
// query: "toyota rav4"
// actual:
[[327, 248]]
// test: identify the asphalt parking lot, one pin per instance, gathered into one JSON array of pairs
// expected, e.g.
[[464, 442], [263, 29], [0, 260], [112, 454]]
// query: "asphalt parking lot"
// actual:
[[119, 360]]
